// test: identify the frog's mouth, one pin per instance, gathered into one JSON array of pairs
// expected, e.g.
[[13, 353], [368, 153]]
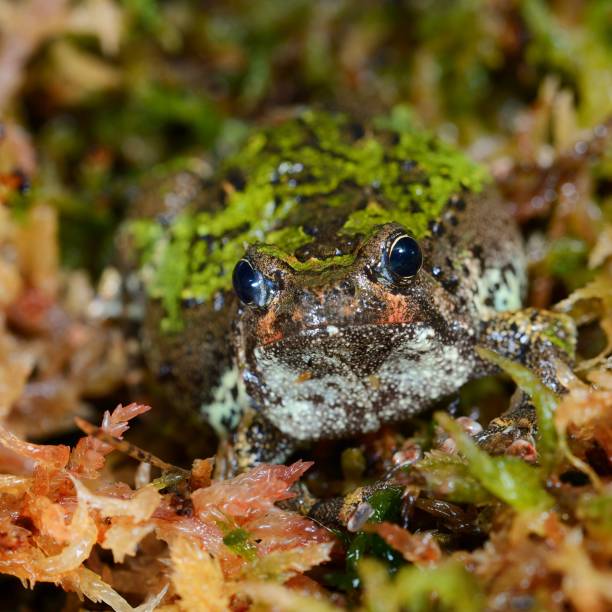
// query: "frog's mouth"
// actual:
[[330, 383]]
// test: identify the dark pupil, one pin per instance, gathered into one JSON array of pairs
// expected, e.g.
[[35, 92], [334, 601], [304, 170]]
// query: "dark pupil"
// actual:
[[248, 283], [405, 258]]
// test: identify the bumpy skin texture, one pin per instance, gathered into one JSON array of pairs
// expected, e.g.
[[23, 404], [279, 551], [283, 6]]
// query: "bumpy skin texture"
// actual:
[[344, 351], [342, 346]]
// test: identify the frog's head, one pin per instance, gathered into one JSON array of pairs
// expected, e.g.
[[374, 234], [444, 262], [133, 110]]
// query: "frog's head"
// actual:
[[346, 344]]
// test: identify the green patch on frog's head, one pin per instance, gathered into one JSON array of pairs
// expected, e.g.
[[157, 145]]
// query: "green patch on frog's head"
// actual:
[[310, 190]]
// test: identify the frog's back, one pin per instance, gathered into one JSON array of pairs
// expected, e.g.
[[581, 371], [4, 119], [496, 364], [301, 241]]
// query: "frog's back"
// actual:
[[317, 186], [310, 189]]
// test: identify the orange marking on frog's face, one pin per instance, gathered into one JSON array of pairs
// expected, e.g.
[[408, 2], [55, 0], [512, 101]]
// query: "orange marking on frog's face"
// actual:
[[297, 316], [267, 329], [397, 310]]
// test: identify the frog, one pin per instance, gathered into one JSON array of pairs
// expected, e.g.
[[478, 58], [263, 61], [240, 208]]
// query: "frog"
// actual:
[[333, 277]]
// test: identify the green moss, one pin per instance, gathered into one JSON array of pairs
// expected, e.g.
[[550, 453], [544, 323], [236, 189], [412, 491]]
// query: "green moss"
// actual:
[[544, 400], [289, 239], [449, 585], [282, 243], [311, 265], [146, 234], [385, 504], [169, 257], [364, 545], [362, 221], [449, 477], [408, 175], [238, 542]]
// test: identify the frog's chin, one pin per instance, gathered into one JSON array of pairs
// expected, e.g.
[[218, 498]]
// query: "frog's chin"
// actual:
[[336, 383]]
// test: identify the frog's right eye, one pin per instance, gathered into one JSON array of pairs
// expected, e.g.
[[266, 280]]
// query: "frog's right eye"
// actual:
[[404, 258], [250, 284]]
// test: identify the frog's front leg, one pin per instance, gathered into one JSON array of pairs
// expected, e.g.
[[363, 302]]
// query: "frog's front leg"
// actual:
[[538, 339], [252, 442]]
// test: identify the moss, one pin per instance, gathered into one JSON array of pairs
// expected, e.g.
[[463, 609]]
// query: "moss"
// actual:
[[169, 257], [545, 402], [238, 541], [365, 545], [146, 234], [407, 174], [414, 588], [385, 504], [289, 239], [362, 221], [509, 478], [311, 265], [449, 477]]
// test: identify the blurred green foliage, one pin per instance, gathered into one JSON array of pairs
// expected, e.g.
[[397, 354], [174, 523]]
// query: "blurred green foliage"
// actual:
[[416, 589], [190, 77]]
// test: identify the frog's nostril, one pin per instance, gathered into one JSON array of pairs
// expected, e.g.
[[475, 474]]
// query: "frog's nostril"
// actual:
[[348, 287]]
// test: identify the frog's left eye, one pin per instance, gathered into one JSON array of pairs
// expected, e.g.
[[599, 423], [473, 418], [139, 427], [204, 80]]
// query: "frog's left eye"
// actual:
[[250, 284], [404, 257]]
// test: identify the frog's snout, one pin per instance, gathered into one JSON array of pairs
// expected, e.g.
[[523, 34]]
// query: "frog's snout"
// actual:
[[352, 303], [317, 306]]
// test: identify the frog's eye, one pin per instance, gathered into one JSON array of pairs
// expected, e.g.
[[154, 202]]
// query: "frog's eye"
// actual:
[[404, 257], [250, 284]]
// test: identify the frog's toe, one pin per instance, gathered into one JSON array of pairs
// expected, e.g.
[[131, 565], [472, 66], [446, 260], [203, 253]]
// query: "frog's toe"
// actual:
[[255, 441], [512, 433], [525, 450]]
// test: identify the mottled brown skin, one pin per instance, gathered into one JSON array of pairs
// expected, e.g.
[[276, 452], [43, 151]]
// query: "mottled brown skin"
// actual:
[[344, 349], [374, 315], [188, 365], [371, 316]]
